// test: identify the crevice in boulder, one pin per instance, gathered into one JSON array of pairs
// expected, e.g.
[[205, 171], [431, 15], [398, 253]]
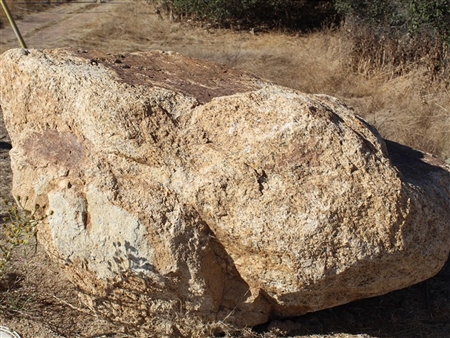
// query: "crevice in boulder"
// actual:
[[261, 178]]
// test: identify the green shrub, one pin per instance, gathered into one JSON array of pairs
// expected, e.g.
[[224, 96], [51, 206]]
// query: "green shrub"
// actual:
[[19, 229], [370, 11], [399, 16], [433, 15], [295, 14]]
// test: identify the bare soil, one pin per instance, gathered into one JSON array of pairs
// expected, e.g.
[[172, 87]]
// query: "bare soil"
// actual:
[[37, 300]]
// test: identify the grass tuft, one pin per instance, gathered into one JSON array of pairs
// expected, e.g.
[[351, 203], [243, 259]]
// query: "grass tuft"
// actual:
[[19, 229]]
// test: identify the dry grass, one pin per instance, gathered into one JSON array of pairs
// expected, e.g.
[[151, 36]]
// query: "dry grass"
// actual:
[[21, 8], [412, 111]]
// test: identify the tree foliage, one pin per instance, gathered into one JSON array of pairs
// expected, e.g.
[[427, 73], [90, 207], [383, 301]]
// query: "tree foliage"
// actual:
[[397, 16], [400, 16], [297, 14]]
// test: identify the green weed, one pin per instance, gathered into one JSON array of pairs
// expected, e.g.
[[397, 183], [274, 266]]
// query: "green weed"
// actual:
[[19, 228]]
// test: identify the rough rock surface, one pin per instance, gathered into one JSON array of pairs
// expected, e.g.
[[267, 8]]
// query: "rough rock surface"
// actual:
[[186, 193]]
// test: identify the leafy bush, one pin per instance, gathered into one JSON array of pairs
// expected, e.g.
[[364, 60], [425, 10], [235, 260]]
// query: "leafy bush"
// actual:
[[408, 16], [19, 229], [299, 14], [433, 15], [370, 11]]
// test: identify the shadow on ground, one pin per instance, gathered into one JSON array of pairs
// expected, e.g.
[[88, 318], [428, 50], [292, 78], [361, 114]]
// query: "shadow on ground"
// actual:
[[421, 310]]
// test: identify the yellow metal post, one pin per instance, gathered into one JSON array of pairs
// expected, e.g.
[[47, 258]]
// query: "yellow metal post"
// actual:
[[13, 24]]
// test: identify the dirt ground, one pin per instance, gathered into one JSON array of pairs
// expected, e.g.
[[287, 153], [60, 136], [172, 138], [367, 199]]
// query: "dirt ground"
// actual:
[[37, 300]]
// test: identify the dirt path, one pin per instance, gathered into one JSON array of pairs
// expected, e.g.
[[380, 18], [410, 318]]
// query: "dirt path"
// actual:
[[60, 26]]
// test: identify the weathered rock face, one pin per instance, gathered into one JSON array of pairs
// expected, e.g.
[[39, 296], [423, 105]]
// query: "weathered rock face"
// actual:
[[185, 193]]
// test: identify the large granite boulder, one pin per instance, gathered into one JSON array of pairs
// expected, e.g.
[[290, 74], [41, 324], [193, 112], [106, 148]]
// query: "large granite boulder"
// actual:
[[187, 196]]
